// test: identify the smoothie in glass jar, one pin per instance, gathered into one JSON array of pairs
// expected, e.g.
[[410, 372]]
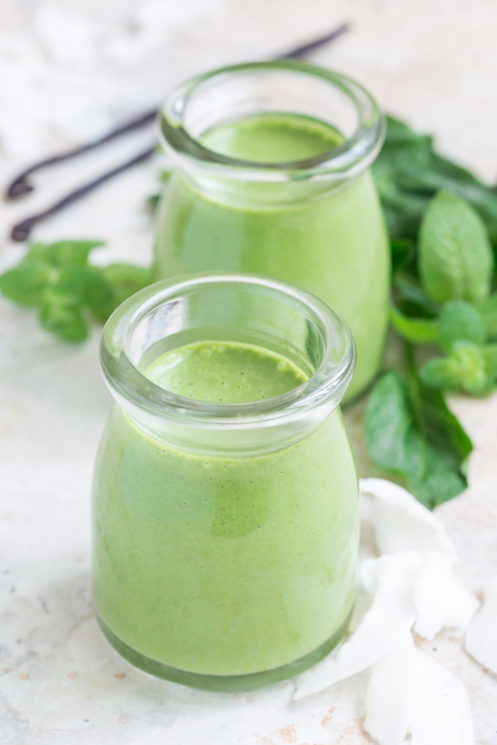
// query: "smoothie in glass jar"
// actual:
[[271, 176], [225, 492]]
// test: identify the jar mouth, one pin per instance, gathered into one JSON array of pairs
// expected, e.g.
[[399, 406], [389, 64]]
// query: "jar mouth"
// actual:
[[164, 314], [213, 98]]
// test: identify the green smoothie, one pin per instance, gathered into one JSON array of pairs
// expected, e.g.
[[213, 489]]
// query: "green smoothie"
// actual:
[[217, 565], [330, 241]]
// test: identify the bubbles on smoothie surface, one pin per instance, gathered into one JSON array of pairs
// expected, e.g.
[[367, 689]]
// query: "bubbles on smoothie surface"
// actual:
[[224, 372]]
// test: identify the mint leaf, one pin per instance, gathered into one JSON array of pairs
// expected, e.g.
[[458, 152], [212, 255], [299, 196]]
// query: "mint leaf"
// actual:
[[60, 314], [459, 321], [85, 286], [62, 253], [25, 283], [489, 352], [409, 431], [124, 280], [391, 433], [412, 299], [455, 256], [403, 251], [415, 330], [488, 310], [441, 174], [467, 367]]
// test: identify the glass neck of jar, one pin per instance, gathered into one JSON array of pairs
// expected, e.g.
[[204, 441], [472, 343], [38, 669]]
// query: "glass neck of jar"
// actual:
[[287, 87], [227, 308]]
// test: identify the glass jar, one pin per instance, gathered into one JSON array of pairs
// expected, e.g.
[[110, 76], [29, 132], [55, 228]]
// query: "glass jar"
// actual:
[[225, 534], [270, 175]]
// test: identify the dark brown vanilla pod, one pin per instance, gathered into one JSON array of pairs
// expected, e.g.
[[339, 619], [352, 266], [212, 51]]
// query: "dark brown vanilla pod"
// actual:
[[21, 231], [21, 185]]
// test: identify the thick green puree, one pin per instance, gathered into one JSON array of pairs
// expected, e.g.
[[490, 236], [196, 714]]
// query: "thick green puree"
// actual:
[[271, 138], [330, 239], [225, 372], [224, 565]]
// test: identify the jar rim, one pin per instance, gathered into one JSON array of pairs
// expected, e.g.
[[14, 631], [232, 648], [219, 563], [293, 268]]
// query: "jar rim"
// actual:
[[128, 384], [346, 159]]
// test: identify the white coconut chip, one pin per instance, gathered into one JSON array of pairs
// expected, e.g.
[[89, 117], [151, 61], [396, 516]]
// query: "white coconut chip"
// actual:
[[411, 693], [481, 636], [440, 712], [440, 599], [401, 522], [390, 616], [387, 700]]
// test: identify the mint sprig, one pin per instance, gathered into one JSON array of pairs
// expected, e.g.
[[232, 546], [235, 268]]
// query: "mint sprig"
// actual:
[[69, 292], [443, 221], [459, 321], [464, 368]]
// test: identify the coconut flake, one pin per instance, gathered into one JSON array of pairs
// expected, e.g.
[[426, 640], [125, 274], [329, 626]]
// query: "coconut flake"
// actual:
[[411, 693], [481, 636], [387, 701], [439, 708], [401, 522], [390, 616], [441, 599]]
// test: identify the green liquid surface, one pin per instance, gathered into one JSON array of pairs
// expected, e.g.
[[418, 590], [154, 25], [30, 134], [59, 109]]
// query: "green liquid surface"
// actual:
[[223, 565], [329, 240], [225, 372], [272, 138]]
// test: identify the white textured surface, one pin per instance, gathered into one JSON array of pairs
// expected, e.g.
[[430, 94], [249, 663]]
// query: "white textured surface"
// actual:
[[66, 71]]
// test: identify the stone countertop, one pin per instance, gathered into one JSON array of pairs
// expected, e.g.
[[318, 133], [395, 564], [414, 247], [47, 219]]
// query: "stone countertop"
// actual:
[[60, 682]]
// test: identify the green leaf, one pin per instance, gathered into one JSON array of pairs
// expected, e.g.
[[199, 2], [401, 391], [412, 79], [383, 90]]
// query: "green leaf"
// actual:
[[410, 431], [459, 321], [442, 373], [442, 175], [400, 133], [415, 330], [412, 299], [465, 368], [403, 252], [25, 283], [62, 253], [489, 352], [124, 280], [61, 316], [488, 310], [455, 256], [86, 286]]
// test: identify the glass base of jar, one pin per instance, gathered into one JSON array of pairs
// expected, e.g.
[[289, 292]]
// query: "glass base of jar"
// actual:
[[224, 683]]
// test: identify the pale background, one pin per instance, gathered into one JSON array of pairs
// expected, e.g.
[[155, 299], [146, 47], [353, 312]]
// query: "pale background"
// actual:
[[69, 71]]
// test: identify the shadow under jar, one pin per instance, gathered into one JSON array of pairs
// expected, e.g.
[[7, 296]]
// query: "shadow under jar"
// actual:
[[225, 515], [270, 175]]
